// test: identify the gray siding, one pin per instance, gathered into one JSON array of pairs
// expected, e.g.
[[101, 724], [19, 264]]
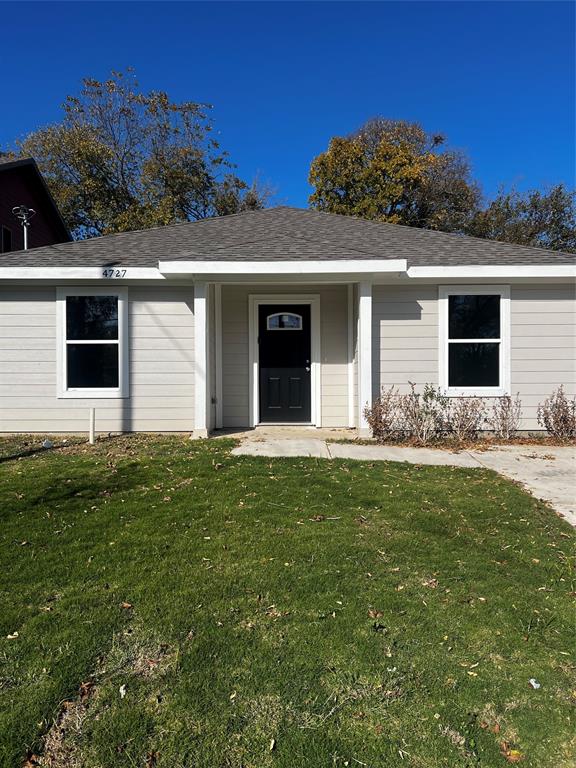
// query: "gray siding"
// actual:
[[543, 340], [404, 336], [405, 348], [333, 342], [543, 344], [161, 327]]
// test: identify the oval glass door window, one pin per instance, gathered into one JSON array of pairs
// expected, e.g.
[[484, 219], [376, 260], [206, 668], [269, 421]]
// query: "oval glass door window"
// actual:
[[284, 321]]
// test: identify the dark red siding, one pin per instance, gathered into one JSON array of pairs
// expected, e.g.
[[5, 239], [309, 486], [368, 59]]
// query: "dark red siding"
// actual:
[[19, 187]]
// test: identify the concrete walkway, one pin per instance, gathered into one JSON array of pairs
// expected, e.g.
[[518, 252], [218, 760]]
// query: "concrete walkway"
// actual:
[[549, 473]]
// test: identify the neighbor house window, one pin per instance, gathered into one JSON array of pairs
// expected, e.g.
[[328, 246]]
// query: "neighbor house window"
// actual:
[[5, 239], [93, 349], [474, 340], [284, 321]]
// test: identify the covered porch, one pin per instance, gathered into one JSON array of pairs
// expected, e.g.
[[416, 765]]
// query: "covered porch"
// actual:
[[282, 344]]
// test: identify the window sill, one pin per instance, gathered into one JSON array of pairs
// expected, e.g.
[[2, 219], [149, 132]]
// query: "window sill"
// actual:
[[92, 394], [475, 392]]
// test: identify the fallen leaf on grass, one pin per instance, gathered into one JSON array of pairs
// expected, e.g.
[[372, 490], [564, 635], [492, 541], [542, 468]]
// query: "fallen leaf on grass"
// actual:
[[511, 755], [126, 606], [86, 689], [374, 614]]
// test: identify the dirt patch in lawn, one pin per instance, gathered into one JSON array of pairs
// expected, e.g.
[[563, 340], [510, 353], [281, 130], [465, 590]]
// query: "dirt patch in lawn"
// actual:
[[132, 655]]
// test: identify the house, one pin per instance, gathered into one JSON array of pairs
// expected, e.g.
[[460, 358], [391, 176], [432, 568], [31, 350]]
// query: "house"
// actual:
[[21, 184], [275, 316]]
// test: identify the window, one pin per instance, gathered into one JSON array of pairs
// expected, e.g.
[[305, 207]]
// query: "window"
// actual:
[[474, 340], [93, 333], [5, 239], [284, 321]]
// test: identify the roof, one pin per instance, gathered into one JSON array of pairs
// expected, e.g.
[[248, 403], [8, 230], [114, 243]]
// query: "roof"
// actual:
[[8, 163], [283, 233]]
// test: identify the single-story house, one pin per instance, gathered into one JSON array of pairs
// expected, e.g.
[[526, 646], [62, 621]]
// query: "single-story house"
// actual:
[[276, 316]]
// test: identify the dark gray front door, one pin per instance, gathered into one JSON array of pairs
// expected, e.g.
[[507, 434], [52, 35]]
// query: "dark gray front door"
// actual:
[[284, 346]]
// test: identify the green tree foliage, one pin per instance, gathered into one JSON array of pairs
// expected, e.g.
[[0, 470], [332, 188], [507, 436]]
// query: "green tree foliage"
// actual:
[[394, 171], [545, 219], [122, 160]]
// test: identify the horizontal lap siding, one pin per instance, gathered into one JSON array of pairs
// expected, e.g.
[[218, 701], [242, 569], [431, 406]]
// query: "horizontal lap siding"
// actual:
[[543, 341], [334, 355], [333, 342], [404, 336], [543, 344], [161, 324]]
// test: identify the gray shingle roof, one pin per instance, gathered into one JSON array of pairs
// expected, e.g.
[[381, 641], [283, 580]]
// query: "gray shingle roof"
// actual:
[[285, 234]]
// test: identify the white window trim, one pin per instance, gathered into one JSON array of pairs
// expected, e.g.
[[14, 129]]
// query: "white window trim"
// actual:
[[444, 291], [122, 390], [254, 301]]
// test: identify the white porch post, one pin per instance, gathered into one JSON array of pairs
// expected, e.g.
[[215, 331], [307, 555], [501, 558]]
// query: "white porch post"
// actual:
[[200, 360], [364, 354], [218, 354], [351, 354]]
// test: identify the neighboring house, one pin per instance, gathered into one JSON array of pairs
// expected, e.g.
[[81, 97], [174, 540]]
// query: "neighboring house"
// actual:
[[275, 316], [21, 184]]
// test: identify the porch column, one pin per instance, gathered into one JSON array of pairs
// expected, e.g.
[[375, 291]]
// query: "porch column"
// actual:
[[364, 354], [218, 388], [200, 360]]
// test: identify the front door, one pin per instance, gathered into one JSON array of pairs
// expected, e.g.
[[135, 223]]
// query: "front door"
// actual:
[[284, 345]]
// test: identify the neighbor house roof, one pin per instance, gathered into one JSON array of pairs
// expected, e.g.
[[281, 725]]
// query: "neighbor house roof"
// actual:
[[28, 166], [283, 233]]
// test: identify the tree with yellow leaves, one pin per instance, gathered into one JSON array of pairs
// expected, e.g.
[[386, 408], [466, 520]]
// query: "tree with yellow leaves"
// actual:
[[122, 160], [393, 171]]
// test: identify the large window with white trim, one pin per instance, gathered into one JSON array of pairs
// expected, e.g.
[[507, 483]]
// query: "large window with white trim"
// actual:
[[474, 340], [93, 349]]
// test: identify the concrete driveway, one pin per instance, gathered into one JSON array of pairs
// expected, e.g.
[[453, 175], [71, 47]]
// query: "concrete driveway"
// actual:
[[549, 473]]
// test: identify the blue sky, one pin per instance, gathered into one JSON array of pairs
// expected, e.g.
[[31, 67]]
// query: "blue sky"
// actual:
[[496, 78]]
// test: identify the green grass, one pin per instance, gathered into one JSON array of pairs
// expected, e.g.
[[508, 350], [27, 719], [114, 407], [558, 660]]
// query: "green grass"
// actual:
[[401, 633]]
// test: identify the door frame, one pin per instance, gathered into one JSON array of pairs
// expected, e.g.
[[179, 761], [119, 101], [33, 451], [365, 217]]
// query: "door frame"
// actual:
[[254, 302]]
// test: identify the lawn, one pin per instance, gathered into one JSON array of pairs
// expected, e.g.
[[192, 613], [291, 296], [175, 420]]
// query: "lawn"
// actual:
[[168, 605]]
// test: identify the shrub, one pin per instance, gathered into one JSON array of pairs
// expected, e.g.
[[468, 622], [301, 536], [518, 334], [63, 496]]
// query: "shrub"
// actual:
[[383, 415], [505, 418], [465, 418], [423, 416], [557, 414]]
